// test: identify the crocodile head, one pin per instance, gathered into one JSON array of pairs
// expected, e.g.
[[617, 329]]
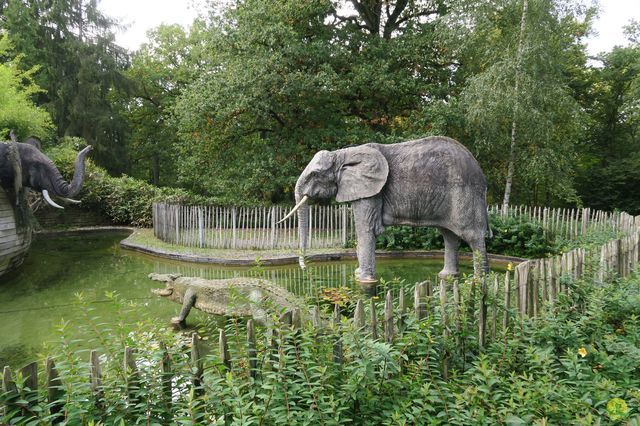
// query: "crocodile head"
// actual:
[[169, 280]]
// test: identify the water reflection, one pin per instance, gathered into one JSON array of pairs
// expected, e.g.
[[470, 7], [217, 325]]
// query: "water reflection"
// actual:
[[37, 298]]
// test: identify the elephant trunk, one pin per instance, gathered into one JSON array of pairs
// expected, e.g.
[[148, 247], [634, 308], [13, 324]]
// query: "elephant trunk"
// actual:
[[303, 227], [60, 187]]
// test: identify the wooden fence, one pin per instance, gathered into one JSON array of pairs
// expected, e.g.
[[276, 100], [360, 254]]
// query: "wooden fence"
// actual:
[[489, 306], [250, 227], [332, 226], [570, 223]]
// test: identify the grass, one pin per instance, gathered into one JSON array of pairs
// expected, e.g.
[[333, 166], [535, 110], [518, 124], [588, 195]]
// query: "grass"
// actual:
[[144, 237]]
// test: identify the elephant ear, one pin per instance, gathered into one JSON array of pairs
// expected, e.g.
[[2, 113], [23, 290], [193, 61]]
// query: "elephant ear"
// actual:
[[363, 174]]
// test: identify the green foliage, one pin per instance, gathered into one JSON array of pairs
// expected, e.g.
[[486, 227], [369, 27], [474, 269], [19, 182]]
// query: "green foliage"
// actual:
[[410, 238], [516, 236], [124, 200], [159, 72], [512, 236], [290, 78], [577, 363], [71, 43], [520, 93], [17, 110]]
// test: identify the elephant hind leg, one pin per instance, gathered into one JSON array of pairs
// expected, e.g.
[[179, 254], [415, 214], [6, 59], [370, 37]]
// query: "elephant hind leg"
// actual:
[[480, 259], [451, 245]]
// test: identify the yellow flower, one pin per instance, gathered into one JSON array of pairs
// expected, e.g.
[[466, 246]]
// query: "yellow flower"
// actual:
[[617, 409], [582, 352], [509, 266]]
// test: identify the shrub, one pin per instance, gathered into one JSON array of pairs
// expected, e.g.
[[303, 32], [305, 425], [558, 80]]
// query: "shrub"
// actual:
[[512, 236], [124, 200], [517, 236], [410, 238]]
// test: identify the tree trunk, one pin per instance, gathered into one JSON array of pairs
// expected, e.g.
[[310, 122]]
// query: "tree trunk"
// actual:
[[516, 94]]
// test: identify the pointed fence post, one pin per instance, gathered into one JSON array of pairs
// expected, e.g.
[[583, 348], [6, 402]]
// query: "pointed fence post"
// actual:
[[402, 308], [358, 315], [445, 327], [166, 374], [388, 317], [9, 389], [482, 320], [30, 376], [419, 305], [374, 320], [507, 300], [494, 306], [197, 367], [96, 377], [223, 347], [55, 392], [132, 376], [337, 345]]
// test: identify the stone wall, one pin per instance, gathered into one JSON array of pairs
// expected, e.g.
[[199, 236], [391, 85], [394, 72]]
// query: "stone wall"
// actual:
[[71, 217]]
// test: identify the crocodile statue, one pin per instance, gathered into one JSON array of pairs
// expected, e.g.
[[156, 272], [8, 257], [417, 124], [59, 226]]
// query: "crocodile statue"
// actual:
[[237, 297]]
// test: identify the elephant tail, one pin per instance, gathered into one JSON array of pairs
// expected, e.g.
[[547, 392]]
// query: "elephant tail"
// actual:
[[488, 223]]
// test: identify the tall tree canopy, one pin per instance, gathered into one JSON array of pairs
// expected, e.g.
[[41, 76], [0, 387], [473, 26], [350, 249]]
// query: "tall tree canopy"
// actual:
[[236, 105], [609, 174], [72, 43], [288, 78], [17, 110], [519, 101], [160, 71]]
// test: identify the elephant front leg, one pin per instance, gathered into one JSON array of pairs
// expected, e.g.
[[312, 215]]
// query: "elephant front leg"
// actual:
[[366, 272], [368, 226], [451, 245], [188, 302]]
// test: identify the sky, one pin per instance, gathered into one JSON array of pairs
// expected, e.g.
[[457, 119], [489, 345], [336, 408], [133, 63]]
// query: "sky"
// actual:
[[142, 15]]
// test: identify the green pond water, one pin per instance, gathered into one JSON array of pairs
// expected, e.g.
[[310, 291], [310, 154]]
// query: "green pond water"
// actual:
[[44, 292]]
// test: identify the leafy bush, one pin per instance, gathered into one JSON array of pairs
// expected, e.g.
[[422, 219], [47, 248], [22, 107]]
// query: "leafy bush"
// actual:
[[125, 200], [517, 236], [410, 238], [512, 236]]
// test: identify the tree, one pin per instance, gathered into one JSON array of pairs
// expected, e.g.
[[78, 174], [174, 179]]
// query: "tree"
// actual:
[[17, 111], [520, 104], [160, 71], [288, 78], [607, 176], [72, 43]]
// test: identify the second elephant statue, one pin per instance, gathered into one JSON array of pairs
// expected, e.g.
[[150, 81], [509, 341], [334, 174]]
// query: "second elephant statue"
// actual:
[[38, 172], [433, 182]]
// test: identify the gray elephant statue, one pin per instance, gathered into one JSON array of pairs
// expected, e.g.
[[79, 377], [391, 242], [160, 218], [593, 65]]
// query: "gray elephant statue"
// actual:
[[433, 182], [38, 172]]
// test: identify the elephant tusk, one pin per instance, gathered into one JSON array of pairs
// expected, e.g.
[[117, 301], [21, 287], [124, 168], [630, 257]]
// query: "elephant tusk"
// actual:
[[70, 200], [296, 207], [48, 199]]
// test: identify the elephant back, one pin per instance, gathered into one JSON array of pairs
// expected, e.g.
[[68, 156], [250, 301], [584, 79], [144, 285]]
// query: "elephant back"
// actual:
[[436, 161]]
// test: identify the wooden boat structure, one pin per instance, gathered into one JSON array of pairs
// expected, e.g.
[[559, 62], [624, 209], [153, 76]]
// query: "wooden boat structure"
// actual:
[[14, 243]]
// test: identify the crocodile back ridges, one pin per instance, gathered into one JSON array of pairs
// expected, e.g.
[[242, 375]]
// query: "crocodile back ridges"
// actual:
[[240, 296]]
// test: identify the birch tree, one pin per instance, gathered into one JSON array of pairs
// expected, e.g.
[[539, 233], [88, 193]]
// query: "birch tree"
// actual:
[[519, 101]]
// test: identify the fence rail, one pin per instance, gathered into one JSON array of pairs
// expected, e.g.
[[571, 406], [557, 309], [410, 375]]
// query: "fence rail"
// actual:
[[250, 227], [333, 226]]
